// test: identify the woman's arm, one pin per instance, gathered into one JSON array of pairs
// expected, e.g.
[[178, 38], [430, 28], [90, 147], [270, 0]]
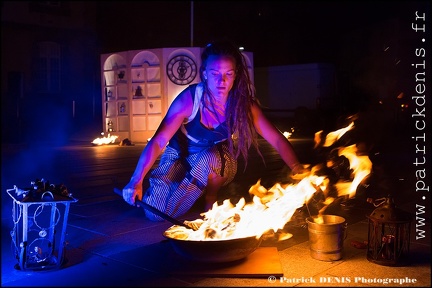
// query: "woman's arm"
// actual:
[[180, 109]]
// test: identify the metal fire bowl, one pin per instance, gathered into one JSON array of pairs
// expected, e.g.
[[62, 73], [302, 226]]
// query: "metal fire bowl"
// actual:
[[215, 251]]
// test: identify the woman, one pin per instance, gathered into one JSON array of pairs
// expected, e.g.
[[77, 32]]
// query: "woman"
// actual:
[[206, 129]]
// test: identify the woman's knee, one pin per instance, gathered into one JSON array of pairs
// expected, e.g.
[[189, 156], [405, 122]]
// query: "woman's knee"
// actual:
[[216, 179]]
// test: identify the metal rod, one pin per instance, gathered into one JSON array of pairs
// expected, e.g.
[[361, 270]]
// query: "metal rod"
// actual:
[[154, 210]]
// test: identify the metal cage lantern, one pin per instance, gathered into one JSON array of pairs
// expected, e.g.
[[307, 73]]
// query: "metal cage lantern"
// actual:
[[388, 234], [40, 216]]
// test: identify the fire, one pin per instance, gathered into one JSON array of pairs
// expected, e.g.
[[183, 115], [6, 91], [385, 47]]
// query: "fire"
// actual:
[[105, 140], [271, 209], [332, 137], [361, 167], [287, 134]]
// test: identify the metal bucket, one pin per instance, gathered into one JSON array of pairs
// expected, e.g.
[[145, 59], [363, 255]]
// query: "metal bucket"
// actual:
[[326, 238]]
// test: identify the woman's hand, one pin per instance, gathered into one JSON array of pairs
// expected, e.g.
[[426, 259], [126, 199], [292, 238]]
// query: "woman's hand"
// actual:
[[299, 171], [131, 191]]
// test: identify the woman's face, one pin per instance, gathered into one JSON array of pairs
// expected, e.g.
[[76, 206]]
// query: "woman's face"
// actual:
[[220, 74]]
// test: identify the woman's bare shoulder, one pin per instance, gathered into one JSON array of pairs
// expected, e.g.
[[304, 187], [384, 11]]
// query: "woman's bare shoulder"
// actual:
[[183, 102]]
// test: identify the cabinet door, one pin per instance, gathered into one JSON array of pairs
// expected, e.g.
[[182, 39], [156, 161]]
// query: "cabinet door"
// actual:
[[123, 124], [154, 90], [122, 91], [139, 107], [111, 109], [139, 123], [138, 75], [153, 122], [154, 106]]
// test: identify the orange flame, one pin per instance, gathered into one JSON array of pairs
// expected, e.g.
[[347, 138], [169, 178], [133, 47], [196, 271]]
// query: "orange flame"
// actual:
[[270, 209], [105, 140], [332, 137], [361, 166]]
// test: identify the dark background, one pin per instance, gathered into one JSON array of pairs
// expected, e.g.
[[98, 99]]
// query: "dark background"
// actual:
[[370, 43], [278, 33]]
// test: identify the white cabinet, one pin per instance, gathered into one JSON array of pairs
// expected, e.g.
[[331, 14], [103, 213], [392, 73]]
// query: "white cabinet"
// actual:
[[139, 85]]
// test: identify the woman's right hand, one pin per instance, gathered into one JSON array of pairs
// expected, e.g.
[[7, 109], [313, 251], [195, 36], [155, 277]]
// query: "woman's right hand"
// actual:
[[131, 191], [300, 171]]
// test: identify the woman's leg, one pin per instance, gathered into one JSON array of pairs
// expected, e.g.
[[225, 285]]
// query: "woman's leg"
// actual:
[[214, 183], [218, 167], [168, 185], [173, 190]]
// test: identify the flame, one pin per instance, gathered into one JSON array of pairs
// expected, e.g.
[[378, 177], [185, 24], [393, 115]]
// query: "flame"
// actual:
[[288, 134], [271, 209], [361, 167], [105, 140], [332, 137]]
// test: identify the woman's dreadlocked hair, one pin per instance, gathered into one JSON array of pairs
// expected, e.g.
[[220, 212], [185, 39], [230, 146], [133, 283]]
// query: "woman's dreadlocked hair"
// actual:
[[240, 100]]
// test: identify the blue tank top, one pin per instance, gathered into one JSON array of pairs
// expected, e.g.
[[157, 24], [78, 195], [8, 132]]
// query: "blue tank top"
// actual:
[[193, 137]]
